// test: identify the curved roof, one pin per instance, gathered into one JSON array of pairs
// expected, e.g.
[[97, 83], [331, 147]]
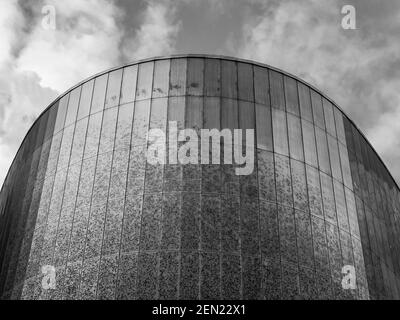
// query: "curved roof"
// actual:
[[209, 56]]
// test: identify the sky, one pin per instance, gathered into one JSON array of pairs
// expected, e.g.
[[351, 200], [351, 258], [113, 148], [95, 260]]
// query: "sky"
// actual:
[[359, 69]]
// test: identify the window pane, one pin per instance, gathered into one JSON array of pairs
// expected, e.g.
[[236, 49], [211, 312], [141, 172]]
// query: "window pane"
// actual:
[[124, 126], [310, 150], [229, 79], [261, 85], [86, 99], [51, 121], [328, 198], [140, 123], [305, 102], [159, 110], [211, 113], [195, 76], [93, 135], [264, 127], [280, 131], [113, 89], [318, 112], [161, 78], [178, 77], [212, 74], [334, 158], [79, 140], [266, 175], [329, 117], [73, 106], [62, 111], [128, 90], [299, 185], [322, 149], [292, 99], [314, 191], [99, 93], [339, 125], [144, 82], [277, 94], [340, 205], [344, 160], [245, 81], [283, 180], [295, 137], [108, 130], [229, 114]]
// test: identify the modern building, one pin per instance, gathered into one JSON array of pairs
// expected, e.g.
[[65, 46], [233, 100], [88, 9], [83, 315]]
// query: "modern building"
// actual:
[[81, 196]]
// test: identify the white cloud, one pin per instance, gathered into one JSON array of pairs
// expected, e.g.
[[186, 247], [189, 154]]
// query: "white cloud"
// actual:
[[37, 64], [157, 33], [354, 67]]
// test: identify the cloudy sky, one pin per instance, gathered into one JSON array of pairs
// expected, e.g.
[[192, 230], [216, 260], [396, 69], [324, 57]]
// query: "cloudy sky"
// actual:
[[359, 69]]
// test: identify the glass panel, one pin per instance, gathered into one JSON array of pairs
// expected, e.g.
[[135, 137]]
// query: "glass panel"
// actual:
[[318, 112], [245, 81], [176, 111], [86, 99], [314, 191], [159, 108], [295, 137], [291, 96], [124, 126], [283, 180], [195, 77], [246, 115], [329, 117], [113, 89], [212, 74], [62, 111], [287, 234], [264, 127], [65, 150], [344, 160], [305, 101], [280, 131], [334, 158], [177, 86], [310, 150], [277, 93], [73, 106], [144, 82], [51, 121], [339, 125], [128, 89], [108, 130], [93, 135], [229, 114], [299, 185], [140, 123], [161, 78], [328, 198], [79, 140], [229, 79], [99, 93], [266, 176], [341, 206], [261, 85], [322, 148], [211, 113]]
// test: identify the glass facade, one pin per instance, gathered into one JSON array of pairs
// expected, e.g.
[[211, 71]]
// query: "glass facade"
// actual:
[[80, 195]]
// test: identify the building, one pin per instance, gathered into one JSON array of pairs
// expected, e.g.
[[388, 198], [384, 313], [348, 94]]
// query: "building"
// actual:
[[81, 197]]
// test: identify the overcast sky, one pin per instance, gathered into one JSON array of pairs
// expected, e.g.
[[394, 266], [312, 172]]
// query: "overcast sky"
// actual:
[[359, 69]]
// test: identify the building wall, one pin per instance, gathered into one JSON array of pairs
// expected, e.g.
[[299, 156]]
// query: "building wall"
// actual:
[[81, 197]]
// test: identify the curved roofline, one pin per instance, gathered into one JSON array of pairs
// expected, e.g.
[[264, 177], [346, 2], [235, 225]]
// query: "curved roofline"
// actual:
[[209, 56]]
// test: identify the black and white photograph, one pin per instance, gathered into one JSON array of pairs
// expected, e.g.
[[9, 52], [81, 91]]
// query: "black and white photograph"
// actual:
[[199, 155]]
